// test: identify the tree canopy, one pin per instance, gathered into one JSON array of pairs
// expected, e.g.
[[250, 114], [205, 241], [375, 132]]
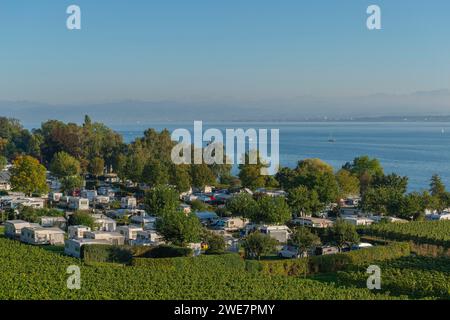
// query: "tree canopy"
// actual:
[[28, 176]]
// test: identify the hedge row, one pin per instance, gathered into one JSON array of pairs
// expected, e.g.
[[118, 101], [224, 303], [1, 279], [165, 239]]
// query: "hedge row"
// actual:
[[166, 251], [331, 263], [104, 253], [124, 254]]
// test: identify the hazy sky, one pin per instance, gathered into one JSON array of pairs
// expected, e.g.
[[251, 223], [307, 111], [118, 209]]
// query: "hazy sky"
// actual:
[[191, 50]]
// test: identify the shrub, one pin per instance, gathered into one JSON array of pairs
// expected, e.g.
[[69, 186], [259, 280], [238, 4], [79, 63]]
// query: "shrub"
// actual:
[[216, 243], [166, 251], [105, 253], [257, 244]]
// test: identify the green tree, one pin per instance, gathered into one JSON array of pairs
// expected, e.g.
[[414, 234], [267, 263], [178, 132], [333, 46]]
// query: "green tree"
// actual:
[[180, 177], [317, 175], [3, 162], [257, 244], [97, 166], [135, 163], [348, 183], [304, 202], [272, 210], [155, 173], [161, 199], [438, 191], [28, 176], [365, 168], [413, 206], [216, 243], [382, 200], [202, 175], [437, 187], [82, 218], [120, 166], [304, 239], [365, 164], [178, 228], [64, 165], [72, 183], [242, 205], [251, 172], [391, 181], [344, 233], [286, 178]]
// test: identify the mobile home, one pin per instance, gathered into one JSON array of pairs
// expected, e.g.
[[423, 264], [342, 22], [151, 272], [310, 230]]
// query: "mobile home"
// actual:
[[104, 223], [48, 222], [129, 232], [77, 232], [73, 247], [279, 233], [113, 238], [76, 203], [42, 236], [148, 238], [13, 228], [230, 224], [128, 203]]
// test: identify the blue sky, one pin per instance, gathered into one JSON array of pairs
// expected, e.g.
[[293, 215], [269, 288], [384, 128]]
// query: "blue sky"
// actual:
[[235, 50]]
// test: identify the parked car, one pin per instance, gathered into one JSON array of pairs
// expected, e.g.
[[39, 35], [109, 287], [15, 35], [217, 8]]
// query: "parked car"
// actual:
[[324, 250], [361, 245], [290, 252]]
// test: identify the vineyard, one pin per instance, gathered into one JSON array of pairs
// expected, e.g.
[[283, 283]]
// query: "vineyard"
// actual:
[[35, 273], [430, 232], [40, 273], [416, 277]]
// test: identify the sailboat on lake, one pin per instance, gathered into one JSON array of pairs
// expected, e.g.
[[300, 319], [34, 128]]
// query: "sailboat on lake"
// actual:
[[331, 139]]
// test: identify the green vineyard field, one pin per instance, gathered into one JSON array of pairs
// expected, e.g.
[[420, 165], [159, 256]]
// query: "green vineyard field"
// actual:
[[431, 232], [35, 273]]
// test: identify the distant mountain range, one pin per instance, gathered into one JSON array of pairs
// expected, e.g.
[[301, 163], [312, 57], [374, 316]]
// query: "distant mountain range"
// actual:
[[418, 106]]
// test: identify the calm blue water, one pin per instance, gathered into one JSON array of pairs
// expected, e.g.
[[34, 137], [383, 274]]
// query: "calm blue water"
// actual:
[[415, 149]]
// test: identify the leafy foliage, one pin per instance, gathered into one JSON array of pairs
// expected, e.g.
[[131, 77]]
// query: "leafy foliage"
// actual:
[[178, 228], [257, 244], [28, 176], [161, 199]]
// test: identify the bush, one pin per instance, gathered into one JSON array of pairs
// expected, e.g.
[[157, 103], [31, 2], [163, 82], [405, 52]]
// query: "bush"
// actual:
[[140, 251], [216, 243], [257, 244], [105, 253], [166, 251]]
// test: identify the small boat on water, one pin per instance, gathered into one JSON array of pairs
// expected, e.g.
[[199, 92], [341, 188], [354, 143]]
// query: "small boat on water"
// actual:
[[331, 139]]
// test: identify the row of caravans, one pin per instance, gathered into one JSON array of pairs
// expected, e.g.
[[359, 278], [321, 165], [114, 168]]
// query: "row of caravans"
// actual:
[[33, 233]]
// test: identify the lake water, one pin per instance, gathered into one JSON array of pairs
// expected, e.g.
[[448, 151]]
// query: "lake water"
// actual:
[[415, 149]]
